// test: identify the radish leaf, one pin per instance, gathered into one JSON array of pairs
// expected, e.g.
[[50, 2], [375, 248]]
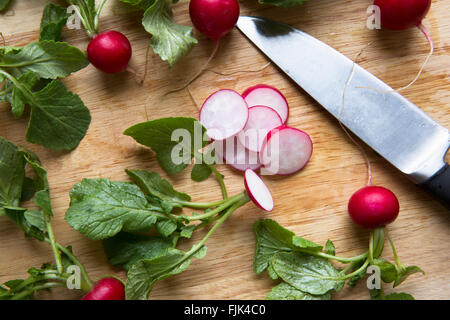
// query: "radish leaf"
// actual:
[[4, 4], [284, 291], [307, 273], [53, 20], [200, 172]]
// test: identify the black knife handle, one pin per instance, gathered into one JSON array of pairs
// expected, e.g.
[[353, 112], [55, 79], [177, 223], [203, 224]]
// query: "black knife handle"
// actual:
[[439, 185]]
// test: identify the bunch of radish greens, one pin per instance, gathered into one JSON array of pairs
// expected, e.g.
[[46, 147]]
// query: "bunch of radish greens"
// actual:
[[29, 77], [16, 188], [122, 213]]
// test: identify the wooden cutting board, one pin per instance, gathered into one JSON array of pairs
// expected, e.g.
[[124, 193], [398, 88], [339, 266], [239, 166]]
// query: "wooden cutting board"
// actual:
[[311, 203]]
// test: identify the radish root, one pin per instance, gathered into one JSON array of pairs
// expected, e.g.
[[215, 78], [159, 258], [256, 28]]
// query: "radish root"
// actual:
[[211, 56], [424, 30], [349, 79]]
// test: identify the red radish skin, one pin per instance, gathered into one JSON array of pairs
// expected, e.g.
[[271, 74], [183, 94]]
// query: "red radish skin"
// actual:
[[109, 51], [373, 207], [233, 153], [106, 289], [224, 114], [295, 150], [402, 14], [262, 94], [214, 18], [261, 120], [258, 191]]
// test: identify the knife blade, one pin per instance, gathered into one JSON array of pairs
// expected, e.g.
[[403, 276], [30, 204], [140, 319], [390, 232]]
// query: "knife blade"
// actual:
[[385, 120]]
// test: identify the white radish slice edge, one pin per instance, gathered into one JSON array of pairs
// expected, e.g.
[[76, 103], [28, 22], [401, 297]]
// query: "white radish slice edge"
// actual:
[[285, 151], [233, 153], [267, 96], [261, 120], [257, 190], [224, 114]]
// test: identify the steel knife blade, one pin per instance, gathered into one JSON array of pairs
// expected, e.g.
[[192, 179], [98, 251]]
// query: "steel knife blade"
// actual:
[[385, 120]]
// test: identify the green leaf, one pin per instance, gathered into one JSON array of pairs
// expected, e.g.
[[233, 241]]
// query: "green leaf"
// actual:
[[28, 189], [271, 238], [405, 273], [59, 119], [4, 4], [302, 243], [18, 217], [53, 20], [151, 183], [329, 248], [387, 269], [12, 174], [307, 273], [144, 274], [166, 227], [125, 249], [399, 296], [100, 208], [283, 3], [170, 40], [284, 291], [354, 280], [48, 59], [187, 231], [36, 218], [157, 135], [200, 172], [18, 99]]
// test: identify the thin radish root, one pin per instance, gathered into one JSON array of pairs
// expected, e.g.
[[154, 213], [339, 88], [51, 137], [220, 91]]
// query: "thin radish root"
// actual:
[[211, 56], [424, 30], [349, 79], [239, 71]]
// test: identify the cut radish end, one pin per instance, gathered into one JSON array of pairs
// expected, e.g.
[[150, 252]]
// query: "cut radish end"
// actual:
[[261, 120], [257, 190], [224, 114], [232, 152], [285, 151], [265, 95]]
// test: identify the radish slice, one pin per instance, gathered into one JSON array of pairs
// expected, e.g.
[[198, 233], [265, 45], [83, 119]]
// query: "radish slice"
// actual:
[[232, 152], [224, 114], [265, 95], [285, 151], [257, 190], [261, 120]]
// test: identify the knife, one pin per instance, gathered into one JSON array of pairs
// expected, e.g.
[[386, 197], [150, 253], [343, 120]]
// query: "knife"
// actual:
[[385, 120]]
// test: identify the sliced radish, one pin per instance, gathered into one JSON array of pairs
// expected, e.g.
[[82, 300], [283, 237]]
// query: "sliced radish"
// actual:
[[257, 190], [265, 95], [232, 152], [224, 114], [285, 151], [261, 120]]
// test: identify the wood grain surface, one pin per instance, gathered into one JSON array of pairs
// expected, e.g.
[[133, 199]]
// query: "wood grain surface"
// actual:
[[311, 203]]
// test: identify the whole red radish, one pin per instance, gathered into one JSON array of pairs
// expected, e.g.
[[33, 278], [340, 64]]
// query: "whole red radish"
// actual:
[[373, 207], [109, 51], [402, 14], [214, 18], [106, 289]]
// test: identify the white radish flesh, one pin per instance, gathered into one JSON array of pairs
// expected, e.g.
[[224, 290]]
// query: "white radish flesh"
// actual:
[[224, 114], [261, 120], [285, 151], [257, 190], [233, 153], [267, 96]]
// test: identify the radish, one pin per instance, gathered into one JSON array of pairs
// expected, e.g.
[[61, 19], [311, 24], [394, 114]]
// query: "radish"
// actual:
[[107, 289], [373, 207], [224, 114], [261, 120], [265, 95], [233, 153], [214, 19], [257, 190], [405, 14], [109, 51], [285, 151]]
